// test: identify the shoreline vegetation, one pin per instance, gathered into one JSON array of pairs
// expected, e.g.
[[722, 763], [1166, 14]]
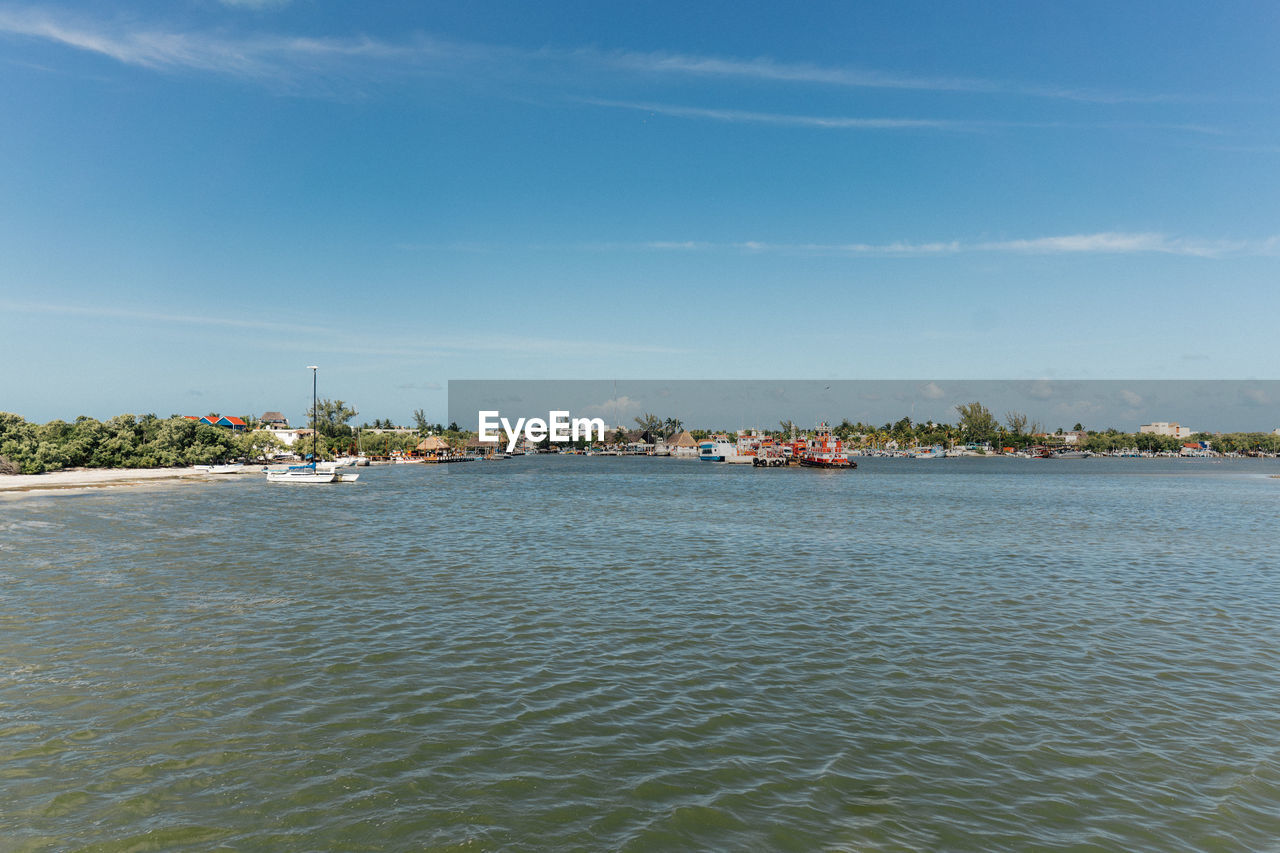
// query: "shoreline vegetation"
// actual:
[[134, 443]]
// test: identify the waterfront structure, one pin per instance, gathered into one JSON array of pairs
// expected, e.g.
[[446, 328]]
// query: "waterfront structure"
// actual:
[[1173, 429], [484, 449], [683, 445], [434, 448], [274, 420]]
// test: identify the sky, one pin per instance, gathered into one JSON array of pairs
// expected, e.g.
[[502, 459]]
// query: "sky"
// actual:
[[199, 198]]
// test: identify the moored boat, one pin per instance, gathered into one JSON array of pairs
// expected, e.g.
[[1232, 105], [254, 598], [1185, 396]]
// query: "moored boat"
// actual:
[[311, 472], [824, 450], [716, 451], [303, 474]]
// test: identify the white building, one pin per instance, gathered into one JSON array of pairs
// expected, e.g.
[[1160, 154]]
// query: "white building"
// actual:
[[289, 436], [1173, 429]]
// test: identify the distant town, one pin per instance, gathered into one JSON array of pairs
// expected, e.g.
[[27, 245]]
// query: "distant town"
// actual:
[[148, 441]]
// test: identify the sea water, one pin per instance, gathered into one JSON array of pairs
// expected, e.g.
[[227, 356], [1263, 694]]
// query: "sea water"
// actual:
[[594, 653]]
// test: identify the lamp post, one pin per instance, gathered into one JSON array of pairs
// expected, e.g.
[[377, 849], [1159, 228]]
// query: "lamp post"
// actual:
[[315, 415]]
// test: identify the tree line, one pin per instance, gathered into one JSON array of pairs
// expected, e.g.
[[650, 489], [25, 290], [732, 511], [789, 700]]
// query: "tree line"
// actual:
[[976, 424], [125, 441], [148, 441]]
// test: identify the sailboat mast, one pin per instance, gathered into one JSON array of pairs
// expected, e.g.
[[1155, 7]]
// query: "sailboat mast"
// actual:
[[315, 415]]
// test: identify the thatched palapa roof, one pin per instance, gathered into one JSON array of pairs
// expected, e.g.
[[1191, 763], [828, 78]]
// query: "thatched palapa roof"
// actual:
[[684, 439]]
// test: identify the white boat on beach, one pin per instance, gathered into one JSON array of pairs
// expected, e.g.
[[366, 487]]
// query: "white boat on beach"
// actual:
[[231, 468], [313, 472]]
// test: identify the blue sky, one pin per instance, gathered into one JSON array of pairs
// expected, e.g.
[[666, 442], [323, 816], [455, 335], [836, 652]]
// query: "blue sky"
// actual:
[[200, 198]]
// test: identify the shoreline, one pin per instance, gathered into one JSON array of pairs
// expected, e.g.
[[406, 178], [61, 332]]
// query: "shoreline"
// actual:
[[89, 479]]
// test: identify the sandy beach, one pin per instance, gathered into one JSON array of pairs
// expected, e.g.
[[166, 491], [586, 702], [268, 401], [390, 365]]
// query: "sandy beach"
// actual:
[[91, 478]]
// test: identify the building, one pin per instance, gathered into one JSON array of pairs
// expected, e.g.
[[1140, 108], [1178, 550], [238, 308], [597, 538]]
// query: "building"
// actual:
[[290, 437], [1173, 429], [274, 420], [683, 445], [434, 447], [225, 421]]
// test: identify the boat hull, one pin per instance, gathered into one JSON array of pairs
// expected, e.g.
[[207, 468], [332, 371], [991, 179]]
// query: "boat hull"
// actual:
[[830, 464], [304, 479]]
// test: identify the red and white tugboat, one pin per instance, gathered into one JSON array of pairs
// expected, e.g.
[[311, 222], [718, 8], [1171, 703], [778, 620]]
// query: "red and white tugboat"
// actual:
[[824, 450]]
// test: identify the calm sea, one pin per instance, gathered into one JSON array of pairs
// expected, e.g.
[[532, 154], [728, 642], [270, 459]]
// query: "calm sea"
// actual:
[[648, 654]]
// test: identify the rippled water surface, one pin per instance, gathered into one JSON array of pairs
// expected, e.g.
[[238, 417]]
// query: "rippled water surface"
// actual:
[[647, 654]]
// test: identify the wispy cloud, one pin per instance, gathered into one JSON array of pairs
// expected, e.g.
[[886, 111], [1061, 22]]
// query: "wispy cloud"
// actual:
[[807, 73], [277, 59], [287, 62], [256, 4], [1113, 243], [1101, 243], [783, 119], [880, 123], [618, 408]]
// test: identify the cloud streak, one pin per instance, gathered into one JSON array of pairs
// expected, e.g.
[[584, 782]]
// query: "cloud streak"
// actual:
[[787, 120], [284, 60], [876, 123], [291, 63], [1100, 243], [766, 69]]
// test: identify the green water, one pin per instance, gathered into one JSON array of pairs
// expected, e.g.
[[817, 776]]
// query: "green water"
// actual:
[[647, 654]]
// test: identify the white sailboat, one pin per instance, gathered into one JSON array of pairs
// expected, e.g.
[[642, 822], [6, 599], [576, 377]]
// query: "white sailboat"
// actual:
[[312, 472], [302, 474]]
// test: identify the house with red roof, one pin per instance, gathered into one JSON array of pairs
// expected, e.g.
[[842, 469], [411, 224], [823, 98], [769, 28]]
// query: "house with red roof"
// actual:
[[225, 421]]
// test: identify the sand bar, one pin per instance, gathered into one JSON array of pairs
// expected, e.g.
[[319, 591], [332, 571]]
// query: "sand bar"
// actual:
[[92, 478]]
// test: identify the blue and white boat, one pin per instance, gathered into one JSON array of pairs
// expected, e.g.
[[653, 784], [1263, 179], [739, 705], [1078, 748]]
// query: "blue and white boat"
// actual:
[[716, 451]]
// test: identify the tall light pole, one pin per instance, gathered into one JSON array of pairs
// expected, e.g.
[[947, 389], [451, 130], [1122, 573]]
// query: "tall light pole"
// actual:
[[315, 415]]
